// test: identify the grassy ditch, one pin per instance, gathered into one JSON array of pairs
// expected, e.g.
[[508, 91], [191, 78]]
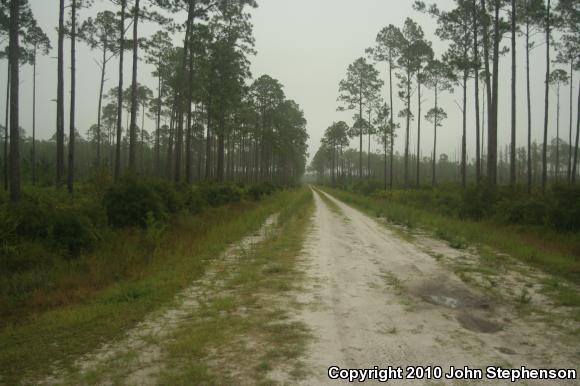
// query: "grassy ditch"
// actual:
[[143, 269]]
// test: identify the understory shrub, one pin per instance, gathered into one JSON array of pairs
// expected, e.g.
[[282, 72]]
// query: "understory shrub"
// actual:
[[73, 231], [130, 202], [220, 194], [564, 213], [558, 209], [257, 191], [367, 187]]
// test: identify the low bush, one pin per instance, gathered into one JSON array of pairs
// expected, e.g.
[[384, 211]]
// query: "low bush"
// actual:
[[220, 194], [73, 231], [564, 213], [194, 200], [31, 219], [257, 191], [171, 198], [558, 209], [367, 187], [130, 202]]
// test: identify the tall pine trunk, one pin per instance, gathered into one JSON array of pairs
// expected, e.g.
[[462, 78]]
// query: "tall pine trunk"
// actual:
[[476, 89], [6, 128], [418, 129], [391, 118], [492, 124], [557, 169], [14, 52], [71, 134], [529, 103], [488, 87], [158, 125], [181, 94], [546, 103], [60, 100], [513, 84], [209, 142], [369, 148], [434, 182], [221, 147], [464, 133], [34, 116], [134, 106], [100, 104], [189, 135], [360, 167], [407, 129], [120, 93], [571, 114]]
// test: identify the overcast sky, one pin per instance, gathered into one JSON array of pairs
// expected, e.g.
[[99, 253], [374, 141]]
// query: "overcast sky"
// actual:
[[307, 45]]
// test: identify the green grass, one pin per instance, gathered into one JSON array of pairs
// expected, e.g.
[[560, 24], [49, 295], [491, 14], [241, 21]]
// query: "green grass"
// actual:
[[179, 256], [553, 252], [264, 336]]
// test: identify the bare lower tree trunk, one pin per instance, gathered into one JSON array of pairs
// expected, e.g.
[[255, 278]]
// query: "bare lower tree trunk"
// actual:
[[493, 110], [133, 124], [476, 86], [488, 87], [464, 134], [385, 161], [170, 143], [529, 105], [60, 100], [220, 148], [546, 103], [407, 130], [189, 150], [14, 52], [434, 181], [208, 146], [513, 84], [418, 130], [34, 116], [557, 169], [360, 167], [6, 128], [183, 95], [120, 93], [71, 134], [571, 114], [103, 70], [158, 127], [391, 119]]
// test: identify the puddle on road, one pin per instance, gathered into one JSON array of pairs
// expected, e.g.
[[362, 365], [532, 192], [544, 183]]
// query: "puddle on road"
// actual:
[[455, 296], [446, 301]]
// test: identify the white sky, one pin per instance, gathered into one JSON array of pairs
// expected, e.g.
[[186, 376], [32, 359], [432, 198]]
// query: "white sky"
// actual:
[[307, 45]]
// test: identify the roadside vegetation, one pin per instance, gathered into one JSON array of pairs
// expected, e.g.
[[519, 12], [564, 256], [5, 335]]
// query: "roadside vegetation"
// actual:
[[105, 221], [540, 230], [77, 273]]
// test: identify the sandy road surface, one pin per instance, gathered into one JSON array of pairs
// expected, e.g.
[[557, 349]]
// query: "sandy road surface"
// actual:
[[376, 299]]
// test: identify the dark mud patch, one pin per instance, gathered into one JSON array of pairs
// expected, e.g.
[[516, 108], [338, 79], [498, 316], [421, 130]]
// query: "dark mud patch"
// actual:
[[477, 324], [443, 292]]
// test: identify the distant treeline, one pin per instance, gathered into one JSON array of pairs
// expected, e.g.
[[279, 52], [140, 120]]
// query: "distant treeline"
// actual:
[[213, 122], [474, 31]]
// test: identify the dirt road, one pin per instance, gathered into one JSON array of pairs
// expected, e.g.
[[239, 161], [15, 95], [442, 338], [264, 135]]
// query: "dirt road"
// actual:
[[377, 299]]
